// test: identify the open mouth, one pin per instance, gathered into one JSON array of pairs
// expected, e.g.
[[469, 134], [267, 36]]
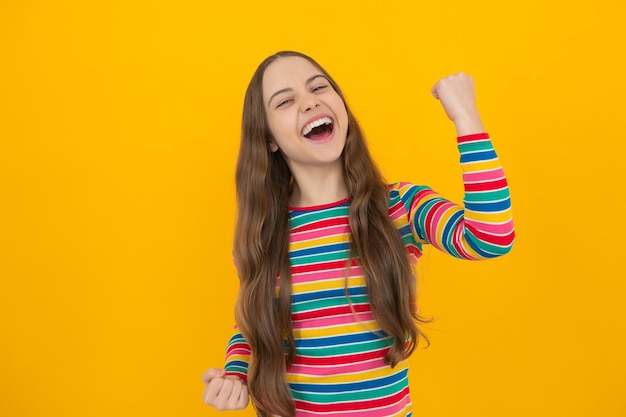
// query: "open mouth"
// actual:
[[319, 128]]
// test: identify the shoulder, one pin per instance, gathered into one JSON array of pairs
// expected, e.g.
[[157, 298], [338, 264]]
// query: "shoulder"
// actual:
[[409, 194], [406, 191]]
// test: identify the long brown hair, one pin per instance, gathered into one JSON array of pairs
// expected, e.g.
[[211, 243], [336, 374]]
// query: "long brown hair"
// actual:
[[263, 182]]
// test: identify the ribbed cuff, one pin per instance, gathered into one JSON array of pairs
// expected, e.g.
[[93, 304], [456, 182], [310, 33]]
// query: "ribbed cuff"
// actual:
[[472, 137]]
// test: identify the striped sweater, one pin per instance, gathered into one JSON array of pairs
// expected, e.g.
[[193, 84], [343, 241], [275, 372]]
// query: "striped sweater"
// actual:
[[339, 368]]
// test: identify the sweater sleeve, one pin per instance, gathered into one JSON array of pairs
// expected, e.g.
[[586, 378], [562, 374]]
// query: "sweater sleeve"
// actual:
[[238, 350], [237, 356], [483, 227]]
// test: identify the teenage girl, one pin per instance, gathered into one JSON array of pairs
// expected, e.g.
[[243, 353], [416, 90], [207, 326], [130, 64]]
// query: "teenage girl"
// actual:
[[325, 248]]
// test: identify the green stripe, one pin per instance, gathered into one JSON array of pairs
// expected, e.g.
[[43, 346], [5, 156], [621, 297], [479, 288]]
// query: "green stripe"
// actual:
[[240, 369], [494, 195], [426, 208], [299, 219], [327, 352], [409, 240], [324, 257], [369, 394], [475, 146], [328, 302]]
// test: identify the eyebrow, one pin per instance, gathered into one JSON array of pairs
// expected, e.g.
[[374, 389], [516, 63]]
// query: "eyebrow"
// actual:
[[285, 90]]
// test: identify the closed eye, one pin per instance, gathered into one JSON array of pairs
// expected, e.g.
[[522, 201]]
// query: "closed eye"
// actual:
[[319, 88], [283, 102]]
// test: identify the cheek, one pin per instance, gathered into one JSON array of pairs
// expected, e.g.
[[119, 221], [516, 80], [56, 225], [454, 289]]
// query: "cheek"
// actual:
[[343, 116], [340, 109], [281, 125], [279, 133], [272, 126]]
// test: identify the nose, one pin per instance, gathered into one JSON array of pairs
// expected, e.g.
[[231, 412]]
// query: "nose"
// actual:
[[308, 103]]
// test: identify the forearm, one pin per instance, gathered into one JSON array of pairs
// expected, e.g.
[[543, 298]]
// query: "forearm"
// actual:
[[481, 228], [237, 357], [488, 220], [469, 124]]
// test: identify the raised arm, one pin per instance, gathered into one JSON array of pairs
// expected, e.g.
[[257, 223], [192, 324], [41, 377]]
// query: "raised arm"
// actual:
[[483, 227]]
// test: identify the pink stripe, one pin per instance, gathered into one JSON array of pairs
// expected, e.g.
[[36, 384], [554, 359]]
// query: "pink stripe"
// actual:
[[398, 214], [391, 410], [421, 197], [437, 224], [243, 352], [333, 321], [303, 278], [492, 228], [397, 210], [483, 176], [370, 365], [314, 234]]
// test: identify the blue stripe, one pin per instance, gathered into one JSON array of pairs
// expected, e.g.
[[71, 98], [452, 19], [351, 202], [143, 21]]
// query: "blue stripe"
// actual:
[[478, 156], [238, 363], [335, 247], [316, 295], [489, 207], [237, 337], [351, 386], [450, 225], [405, 230], [340, 340], [408, 196]]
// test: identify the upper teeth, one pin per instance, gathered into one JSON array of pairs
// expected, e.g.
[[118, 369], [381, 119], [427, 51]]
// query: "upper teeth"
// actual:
[[315, 123]]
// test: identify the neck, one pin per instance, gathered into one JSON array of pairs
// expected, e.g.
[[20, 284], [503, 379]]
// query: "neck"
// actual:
[[318, 186]]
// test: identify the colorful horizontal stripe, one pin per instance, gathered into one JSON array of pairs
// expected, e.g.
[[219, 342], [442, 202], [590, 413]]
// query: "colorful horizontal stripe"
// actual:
[[339, 368]]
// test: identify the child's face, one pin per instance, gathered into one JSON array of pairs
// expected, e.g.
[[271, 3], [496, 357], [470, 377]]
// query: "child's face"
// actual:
[[307, 118]]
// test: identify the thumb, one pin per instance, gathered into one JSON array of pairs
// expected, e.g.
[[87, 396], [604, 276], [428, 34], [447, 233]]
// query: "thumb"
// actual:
[[213, 373], [434, 91]]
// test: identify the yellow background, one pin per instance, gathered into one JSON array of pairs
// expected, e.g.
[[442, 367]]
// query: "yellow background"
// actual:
[[119, 128]]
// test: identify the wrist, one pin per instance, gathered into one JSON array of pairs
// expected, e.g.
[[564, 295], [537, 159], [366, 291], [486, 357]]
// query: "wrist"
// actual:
[[468, 125]]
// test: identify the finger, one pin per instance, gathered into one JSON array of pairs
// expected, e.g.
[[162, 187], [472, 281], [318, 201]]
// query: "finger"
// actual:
[[239, 397], [222, 400], [212, 373], [243, 396], [235, 394], [434, 91], [212, 390], [227, 389]]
